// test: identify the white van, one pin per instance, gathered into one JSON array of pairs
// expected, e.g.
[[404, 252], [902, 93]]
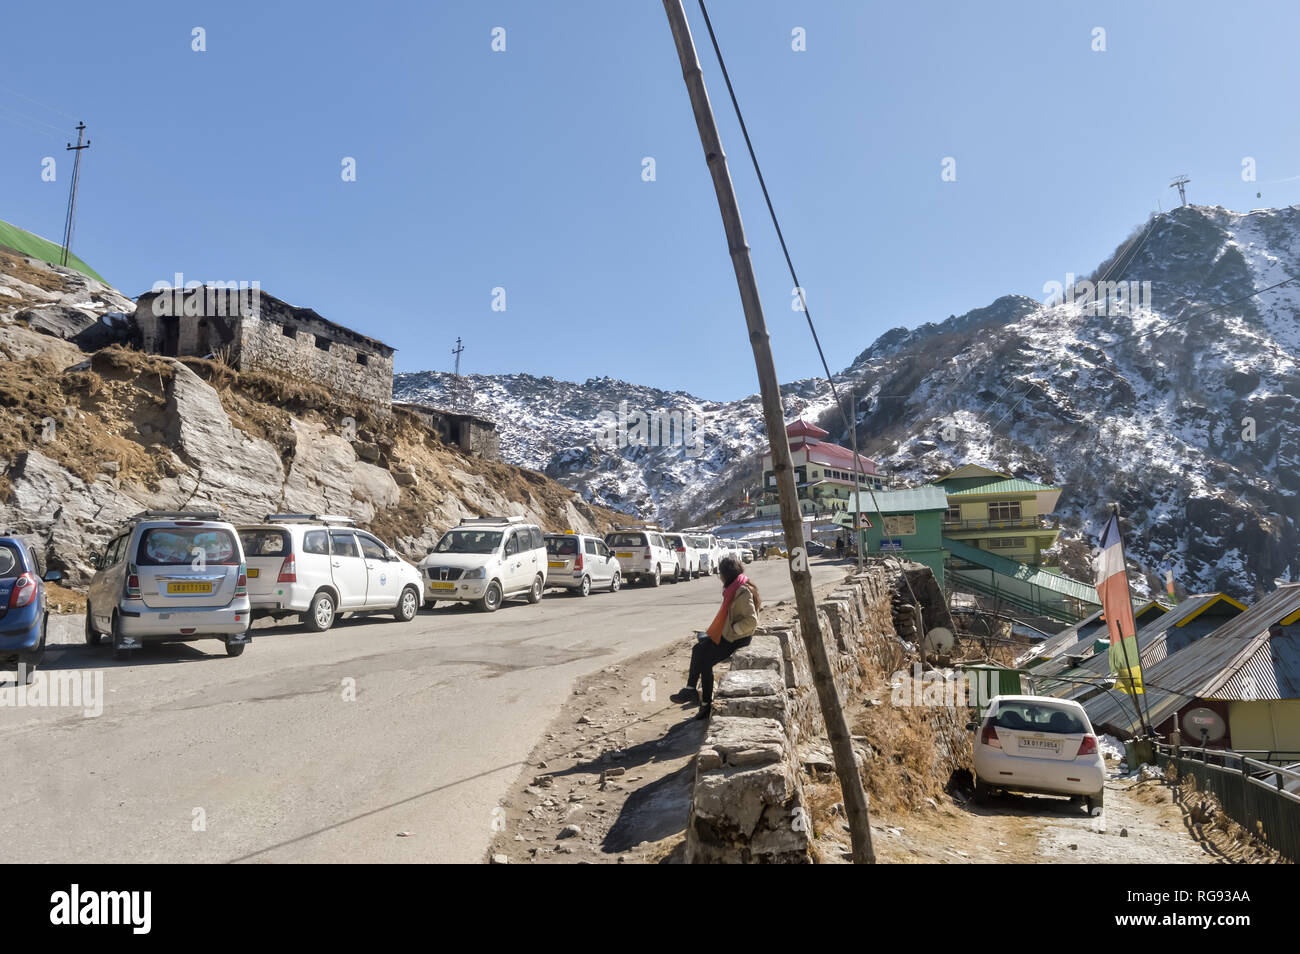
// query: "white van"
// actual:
[[688, 555], [317, 566], [643, 554], [485, 561], [579, 562]]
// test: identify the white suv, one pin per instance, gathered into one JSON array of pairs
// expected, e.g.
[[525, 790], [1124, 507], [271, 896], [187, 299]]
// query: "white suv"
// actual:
[[706, 544], [170, 575], [486, 560], [688, 555], [643, 554], [317, 566], [579, 562]]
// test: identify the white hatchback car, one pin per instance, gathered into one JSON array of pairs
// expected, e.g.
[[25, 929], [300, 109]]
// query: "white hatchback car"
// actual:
[[643, 554], [579, 562], [486, 560], [317, 566], [1038, 744], [166, 576]]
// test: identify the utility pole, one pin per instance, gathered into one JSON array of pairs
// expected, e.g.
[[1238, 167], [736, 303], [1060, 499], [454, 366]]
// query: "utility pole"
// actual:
[[1180, 183], [857, 478], [456, 353], [855, 798], [72, 195]]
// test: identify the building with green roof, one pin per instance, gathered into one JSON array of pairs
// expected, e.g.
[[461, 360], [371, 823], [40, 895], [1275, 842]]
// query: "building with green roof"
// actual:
[[906, 522], [1005, 515]]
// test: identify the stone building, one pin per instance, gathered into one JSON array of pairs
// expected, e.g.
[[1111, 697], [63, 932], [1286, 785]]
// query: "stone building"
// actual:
[[471, 433], [251, 330]]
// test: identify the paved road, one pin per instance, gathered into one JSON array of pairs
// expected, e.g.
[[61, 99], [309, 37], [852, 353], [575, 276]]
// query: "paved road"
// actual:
[[198, 757]]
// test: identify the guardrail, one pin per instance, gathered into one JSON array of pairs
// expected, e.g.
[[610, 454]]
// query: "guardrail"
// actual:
[[1253, 792], [988, 523]]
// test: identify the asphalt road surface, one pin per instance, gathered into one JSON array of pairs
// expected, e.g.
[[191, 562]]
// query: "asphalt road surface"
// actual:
[[375, 742]]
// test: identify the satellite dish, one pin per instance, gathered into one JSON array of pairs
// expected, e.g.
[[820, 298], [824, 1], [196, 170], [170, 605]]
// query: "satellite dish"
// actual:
[[939, 641], [1202, 720]]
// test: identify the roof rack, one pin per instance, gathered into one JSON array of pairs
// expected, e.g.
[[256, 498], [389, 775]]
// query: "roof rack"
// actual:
[[489, 521], [176, 515], [308, 518], [641, 526]]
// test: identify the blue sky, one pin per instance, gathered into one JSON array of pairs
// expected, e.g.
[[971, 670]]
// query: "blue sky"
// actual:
[[522, 169]]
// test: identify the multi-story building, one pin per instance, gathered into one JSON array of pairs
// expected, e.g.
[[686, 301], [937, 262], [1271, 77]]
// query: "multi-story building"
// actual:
[[999, 513], [823, 472]]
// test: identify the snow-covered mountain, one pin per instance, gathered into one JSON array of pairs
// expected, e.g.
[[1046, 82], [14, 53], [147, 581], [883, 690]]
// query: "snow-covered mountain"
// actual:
[[1175, 392]]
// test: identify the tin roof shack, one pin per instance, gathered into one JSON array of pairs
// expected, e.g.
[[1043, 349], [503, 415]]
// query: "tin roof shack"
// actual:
[[913, 524], [1247, 672], [471, 433], [1083, 672], [1076, 643], [250, 329]]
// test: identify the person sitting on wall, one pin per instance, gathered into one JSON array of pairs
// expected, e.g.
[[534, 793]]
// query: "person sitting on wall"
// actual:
[[732, 628]]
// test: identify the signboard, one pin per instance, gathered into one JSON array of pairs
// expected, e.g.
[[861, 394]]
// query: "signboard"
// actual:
[[891, 545], [903, 525]]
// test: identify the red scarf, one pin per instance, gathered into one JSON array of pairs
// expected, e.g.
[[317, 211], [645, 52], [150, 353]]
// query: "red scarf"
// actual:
[[729, 594]]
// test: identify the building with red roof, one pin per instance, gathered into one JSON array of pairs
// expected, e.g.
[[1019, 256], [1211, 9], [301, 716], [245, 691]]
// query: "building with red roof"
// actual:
[[823, 472]]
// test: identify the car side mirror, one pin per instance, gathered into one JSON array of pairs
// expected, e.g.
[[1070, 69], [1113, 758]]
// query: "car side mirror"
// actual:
[[972, 726], [94, 561], [53, 576]]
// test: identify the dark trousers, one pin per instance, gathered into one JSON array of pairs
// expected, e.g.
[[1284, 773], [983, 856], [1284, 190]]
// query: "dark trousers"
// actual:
[[704, 656]]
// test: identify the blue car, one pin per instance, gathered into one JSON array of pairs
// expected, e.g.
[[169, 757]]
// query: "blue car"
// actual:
[[23, 612]]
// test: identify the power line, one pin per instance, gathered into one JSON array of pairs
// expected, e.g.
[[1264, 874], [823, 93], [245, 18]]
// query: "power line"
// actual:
[[53, 109]]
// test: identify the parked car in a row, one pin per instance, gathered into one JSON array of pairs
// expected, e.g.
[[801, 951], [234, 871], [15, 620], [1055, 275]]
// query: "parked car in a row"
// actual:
[[24, 616], [485, 561], [580, 562]]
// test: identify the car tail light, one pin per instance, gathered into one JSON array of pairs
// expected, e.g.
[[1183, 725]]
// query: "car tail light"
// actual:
[[577, 563], [241, 581], [288, 570], [990, 736], [681, 549], [24, 591], [133, 582], [1088, 746]]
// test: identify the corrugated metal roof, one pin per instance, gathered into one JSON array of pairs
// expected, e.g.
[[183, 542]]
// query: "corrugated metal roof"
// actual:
[[1012, 485], [1151, 640], [1235, 661], [909, 500]]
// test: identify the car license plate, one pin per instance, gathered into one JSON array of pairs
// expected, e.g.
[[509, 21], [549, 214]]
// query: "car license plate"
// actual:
[[555, 563], [1048, 745], [623, 556], [253, 572], [183, 588], [442, 586]]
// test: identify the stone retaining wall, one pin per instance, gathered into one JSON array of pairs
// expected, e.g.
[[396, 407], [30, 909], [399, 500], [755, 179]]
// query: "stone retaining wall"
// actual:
[[748, 803]]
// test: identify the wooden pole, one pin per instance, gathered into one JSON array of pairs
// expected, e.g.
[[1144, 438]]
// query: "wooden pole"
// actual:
[[855, 798]]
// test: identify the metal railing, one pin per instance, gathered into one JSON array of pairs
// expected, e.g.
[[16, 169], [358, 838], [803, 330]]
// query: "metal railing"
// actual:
[[1253, 791], [985, 523]]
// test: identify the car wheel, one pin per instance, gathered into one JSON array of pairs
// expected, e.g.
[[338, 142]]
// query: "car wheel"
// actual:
[[584, 588], [615, 583], [535, 594], [491, 601], [981, 791], [677, 573], [118, 651], [320, 616], [93, 636], [407, 606], [1094, 804], [657, 578], [235, 649]]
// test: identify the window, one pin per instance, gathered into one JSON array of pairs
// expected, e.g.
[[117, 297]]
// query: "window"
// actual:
[[11, 564], [372, 548], [562, 546], [316, 542], [1007, 543], [469, 541], [288, 332], [952, 514], [363, 358], [512, 544], [1004, 510], [264, 543], [180, 546], [323, 343], [602, 549], [537, 538], [344, 543], [590, 547], [627, 540]]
